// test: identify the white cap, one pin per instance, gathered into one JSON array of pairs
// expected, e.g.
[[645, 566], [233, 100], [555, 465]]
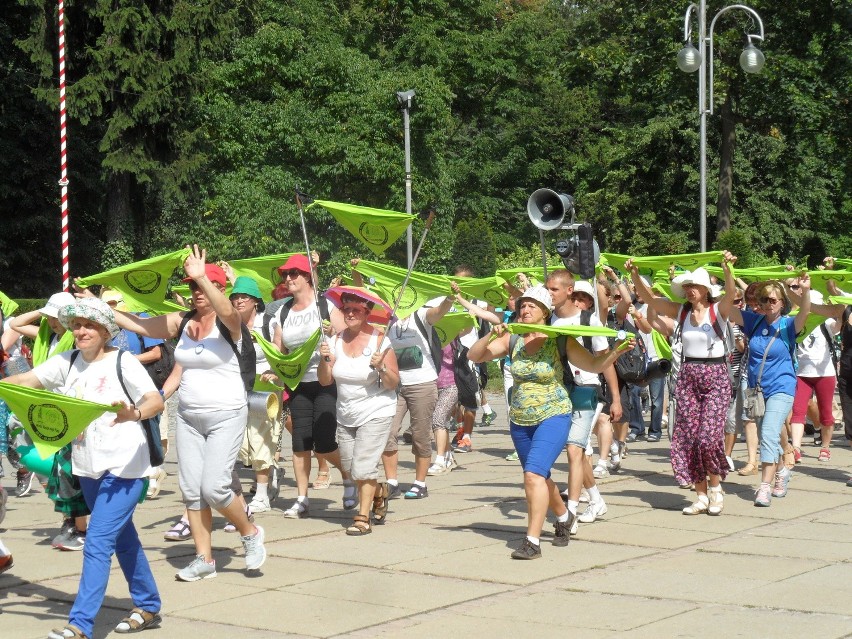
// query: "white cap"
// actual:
[[56, 302], [582, 286], [540, 295]]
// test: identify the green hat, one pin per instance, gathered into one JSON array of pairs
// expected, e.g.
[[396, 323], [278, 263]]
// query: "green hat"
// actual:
[[247, 286]]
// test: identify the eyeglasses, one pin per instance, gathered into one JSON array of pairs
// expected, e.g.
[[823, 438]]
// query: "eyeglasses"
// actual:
[[616, 297], [768, 300], [795, 287], [353, 310], [193, 286], [738, 301], [293, 272]]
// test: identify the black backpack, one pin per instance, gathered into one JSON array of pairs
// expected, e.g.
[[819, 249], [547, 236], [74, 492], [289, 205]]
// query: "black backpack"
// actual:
[[465, 377], [245, 354], [632, 366], [160, 370], [432, 340]]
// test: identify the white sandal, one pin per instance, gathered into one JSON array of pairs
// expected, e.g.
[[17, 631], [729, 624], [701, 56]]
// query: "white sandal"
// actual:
[[699, 507], [717, 502]]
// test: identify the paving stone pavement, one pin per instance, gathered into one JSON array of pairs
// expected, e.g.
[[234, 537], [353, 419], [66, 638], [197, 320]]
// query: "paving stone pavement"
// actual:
[[441, 565]]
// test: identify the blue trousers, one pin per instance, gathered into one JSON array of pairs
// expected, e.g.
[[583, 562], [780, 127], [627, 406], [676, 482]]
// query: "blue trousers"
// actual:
[[112, 501], [656, 391], [540, 446], [769, 427]]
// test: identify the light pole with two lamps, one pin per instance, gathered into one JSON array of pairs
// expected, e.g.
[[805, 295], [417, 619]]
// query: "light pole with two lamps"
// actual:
[[691, 59]]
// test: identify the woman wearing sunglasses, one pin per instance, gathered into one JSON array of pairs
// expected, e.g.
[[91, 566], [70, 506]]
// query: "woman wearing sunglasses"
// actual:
[[771, 343], [362, 364]]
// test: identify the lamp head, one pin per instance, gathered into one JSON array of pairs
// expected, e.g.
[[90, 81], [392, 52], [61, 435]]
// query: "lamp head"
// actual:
[[689, 58], [404, 98], [752, 59]]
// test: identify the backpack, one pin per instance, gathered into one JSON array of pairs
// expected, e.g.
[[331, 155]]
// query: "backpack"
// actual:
[[245, 354], [832, 345], [632, 366], [160, 370], [432, 340], [465, 377]]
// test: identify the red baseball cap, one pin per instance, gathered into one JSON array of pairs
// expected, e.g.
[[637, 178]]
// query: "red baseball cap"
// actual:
[[297, 261], [214, 273]]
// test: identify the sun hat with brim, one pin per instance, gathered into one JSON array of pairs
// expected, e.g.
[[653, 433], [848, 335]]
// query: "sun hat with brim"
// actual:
[[381, 311], [698, 277], [246, 285], [56, 302], [112, 296], [92, 309], [583, 286], [214, 273], [540, 296], [298, 261]]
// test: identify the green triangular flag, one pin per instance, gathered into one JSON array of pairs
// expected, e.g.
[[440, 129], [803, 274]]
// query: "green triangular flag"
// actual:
[[554, 331], [839, 299], [290, 368], [143, 284], [263, 270], [42, 342], [811, 323], [846, 264], [661, 345], [52, 420], [534, 273], [452, 324], [376, 228], [265, 387], [819, 279], [7, 305], [386, 282], [687, 261], [488, 289], [615, 261]]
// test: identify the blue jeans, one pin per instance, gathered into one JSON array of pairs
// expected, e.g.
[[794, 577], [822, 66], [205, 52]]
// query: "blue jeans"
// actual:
[[112, 501], [778, 406], [540, 446], [656, 390]]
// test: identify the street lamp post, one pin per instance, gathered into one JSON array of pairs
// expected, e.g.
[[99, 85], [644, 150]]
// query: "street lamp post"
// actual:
[[691, 59], [404, 99]]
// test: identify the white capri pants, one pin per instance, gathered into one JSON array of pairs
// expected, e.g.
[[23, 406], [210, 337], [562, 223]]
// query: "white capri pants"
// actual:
[[361, 447]]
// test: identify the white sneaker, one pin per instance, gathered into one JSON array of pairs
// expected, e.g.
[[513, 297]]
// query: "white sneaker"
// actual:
[[593, 511], [730, 461], [584, 496], [255, 550], [438, 469], [615, 455], [452, 464], [600, 470], [298, 510], [259, 504], [197, 569], [273, 488]]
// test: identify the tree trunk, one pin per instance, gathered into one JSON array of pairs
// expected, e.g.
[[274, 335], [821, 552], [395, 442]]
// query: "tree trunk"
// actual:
[[726, 166], [119, 208]]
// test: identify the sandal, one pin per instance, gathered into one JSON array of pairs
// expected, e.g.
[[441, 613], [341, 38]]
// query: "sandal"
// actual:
[[749, 469], [322, 481], [68, 632], [380, 503], [179, 532], [350, 501], [137, 621], [360, 526]]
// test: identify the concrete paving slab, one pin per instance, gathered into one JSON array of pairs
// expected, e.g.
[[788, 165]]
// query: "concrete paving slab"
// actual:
[[622, 533], [748, 544]]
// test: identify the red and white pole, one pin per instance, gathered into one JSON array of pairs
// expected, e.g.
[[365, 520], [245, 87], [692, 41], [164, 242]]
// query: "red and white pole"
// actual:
[[63, 149]]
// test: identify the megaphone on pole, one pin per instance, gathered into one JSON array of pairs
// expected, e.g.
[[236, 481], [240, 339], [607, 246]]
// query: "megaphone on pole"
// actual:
[[547, 209]]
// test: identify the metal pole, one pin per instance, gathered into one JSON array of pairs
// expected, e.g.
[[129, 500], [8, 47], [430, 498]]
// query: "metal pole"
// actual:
[[543, 253], [408, 233], [702, 111], [63, 151], [314, 275]]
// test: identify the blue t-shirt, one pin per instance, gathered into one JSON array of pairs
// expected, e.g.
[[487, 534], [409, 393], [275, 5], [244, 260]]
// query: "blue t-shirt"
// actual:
[[133, 342], [778, 373]]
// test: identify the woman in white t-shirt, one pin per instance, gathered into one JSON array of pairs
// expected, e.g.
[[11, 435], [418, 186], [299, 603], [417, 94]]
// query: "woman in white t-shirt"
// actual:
[[703, 389], [362, 364], [816, 376], [110, 458]]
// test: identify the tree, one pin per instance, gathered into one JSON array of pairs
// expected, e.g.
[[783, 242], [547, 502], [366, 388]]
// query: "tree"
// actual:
[[474, 246]]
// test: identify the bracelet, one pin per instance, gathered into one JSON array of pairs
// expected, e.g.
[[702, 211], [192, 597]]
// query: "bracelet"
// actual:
[[138, 410]]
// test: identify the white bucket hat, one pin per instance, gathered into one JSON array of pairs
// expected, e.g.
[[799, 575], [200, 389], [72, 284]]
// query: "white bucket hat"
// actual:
[[698, 277], [56, 302], [582, 286], [540, 295], [90, 308]]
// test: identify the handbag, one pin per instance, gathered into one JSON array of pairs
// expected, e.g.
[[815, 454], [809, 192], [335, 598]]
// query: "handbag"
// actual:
[[408, 358], [754, 402]]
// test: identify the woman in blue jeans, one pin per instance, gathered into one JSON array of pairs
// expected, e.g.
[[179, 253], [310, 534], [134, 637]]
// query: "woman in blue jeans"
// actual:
[[772, 334], [540, 412], [111, 459]]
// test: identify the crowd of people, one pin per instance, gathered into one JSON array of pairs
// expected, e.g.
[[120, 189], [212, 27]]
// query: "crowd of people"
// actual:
[[715, 359]]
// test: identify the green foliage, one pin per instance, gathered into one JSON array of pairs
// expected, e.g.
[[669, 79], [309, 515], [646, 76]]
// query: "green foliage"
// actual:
[[474, 245], [25, 305]]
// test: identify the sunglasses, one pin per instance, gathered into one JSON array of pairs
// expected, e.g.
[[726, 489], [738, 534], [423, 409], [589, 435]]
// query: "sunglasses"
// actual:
[[293, 272], [353, 310], [616, 297], [738, 301], [768, 300], [795, 287], [193, 286]]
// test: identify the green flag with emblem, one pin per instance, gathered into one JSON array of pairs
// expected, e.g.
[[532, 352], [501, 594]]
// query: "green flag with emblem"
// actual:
[[7, 305], [452, 324], [487, 289], [386, 282], [376, 228], [52, 420], [142, 284], [263, 270], [41, 344], [291, 367]]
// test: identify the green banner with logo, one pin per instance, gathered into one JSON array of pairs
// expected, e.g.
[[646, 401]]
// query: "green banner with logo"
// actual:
[[7, 305], [41, 344], [386, 282], [263, 270], [452, 324], [554, 331], [142, 284], [487, 289], [290, 368], [52, 420], [376, 228]]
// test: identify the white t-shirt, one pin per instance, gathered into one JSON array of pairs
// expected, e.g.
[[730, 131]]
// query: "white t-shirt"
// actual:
[[297, 328], [701, 341], [260, 359], [359, 396], [815, 355], [581, 377], [211, 378], [405, 333], [103, 448]]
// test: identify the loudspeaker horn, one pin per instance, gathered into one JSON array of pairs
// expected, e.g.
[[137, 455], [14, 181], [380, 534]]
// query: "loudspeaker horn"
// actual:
[[547, 209]]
